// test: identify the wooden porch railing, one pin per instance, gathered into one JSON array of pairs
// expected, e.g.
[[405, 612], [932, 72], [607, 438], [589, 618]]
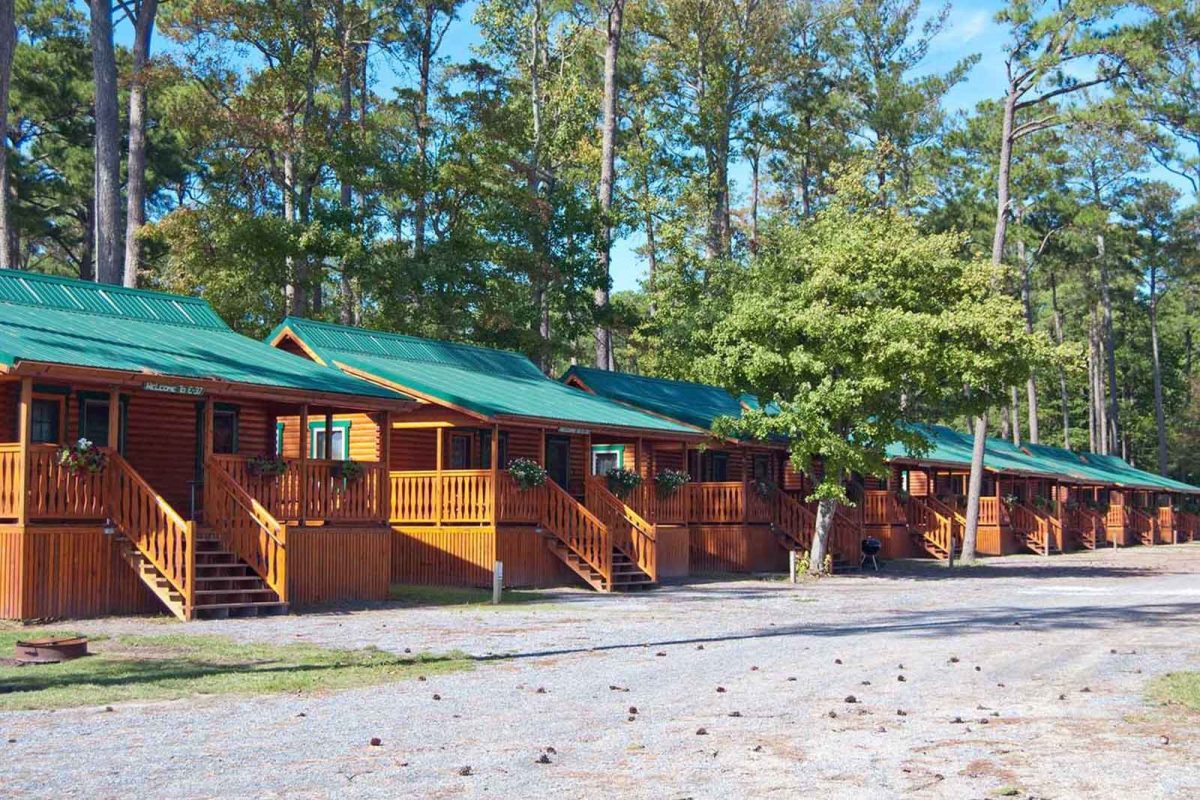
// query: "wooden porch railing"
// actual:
[[53, 492], [1189, 525], [794, 519], [629, 531], [845, 535], [1116, 521], [153, 527], [716, 502], [1166, 525], [12, 482], [452, 496], [579, 529], [325, 497], [1142, 525], [246, 527], [937, 522], [517, 505], [1090, 526]]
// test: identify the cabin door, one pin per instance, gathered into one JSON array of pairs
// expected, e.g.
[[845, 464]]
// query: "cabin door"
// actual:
[[558, 460]]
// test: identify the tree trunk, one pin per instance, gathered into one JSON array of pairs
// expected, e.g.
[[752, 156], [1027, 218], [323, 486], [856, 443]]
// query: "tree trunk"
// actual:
[[108, 155], [1027, 303], [1062, 372], [608, 150], [974, 489], [424, 73], [135, 190], [826, 509], [539, 219], [1015, 410], [1160, 420], [975, 481], [1110, 354], [347, 72], [755, 189], [8, 45]]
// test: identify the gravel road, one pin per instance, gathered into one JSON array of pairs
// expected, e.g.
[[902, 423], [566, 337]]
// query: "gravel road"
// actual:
[[1026, 675]]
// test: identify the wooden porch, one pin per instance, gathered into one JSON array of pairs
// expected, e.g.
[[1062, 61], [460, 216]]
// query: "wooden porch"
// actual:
[[167, 518]]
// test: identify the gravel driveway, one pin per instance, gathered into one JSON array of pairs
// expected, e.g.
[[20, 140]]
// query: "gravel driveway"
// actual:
[[1024, 675]]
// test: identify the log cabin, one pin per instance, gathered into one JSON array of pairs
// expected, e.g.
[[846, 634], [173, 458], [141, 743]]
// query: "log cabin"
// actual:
[[455, 509], [776, 521], [176, 499], [1034, 498]]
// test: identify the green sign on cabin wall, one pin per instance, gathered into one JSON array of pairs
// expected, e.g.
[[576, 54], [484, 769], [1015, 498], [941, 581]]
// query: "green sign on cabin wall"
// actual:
[[173, 388]]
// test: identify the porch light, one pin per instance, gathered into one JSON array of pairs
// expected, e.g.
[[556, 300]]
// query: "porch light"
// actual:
[[110, 527]]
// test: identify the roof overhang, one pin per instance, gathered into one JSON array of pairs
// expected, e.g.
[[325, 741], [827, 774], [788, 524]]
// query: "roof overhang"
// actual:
[[216, 386]]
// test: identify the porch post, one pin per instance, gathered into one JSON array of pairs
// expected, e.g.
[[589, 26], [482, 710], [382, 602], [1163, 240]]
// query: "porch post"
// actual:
[[303, 453], [495, 462], [745, 489], [587, 459], [437, 481], [208, 429], [24, 429], [114, 420], [542, 447], [329, 436], [385, 462]]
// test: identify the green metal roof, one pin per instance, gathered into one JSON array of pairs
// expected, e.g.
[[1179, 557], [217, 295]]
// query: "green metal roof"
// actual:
[[694, 403], [77, 323], [953, 448], [488, 382]]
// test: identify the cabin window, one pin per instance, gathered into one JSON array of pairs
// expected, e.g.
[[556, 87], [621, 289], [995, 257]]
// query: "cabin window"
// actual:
[[225, 431], [485, 449], [93, 420], [607, 457], [46, 421], [716, 467], [762, 467], [460, 451], [339, 440]]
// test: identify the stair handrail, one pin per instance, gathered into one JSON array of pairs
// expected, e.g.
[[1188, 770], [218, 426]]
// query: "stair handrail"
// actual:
[[630, 532], [1142, 523], [583, 533], [246, 527], [794, 519], [150, 524], [936, 521]]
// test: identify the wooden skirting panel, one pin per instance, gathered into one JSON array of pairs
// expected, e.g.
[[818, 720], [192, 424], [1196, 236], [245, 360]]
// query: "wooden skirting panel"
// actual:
[[897, 543], [673, 546], [334, 564], [443, 556], [68, 571], [10, 571], [992, 540], [527, 560], [735, 548]]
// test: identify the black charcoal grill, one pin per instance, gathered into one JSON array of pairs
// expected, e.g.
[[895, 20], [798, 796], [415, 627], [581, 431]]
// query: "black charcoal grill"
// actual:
[[870, 549]]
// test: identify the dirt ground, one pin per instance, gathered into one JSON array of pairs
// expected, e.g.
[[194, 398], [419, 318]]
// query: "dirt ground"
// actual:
[[1025, 677]]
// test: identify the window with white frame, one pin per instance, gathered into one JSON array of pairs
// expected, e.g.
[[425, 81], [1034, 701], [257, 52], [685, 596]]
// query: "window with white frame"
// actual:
[[339, 439]]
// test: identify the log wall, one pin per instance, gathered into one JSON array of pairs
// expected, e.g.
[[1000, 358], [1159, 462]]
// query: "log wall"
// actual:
[[674, 544]]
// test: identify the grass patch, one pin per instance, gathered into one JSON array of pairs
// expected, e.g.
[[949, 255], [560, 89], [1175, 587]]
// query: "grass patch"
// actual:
[[138, 668], [410, 595], [1177, 688]]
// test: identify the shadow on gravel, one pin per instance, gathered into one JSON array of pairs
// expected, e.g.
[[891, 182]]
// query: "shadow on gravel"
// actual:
[[921, 570], [949, 623]]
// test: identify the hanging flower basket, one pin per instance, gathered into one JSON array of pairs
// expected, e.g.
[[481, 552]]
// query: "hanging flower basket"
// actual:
[[83, 456], [1010, 500], [527, 473], [348, 471], [622, 482], [670, 481], [266, 466]]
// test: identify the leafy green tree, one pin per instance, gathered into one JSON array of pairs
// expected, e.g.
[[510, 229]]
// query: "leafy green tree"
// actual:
[[857, 325]]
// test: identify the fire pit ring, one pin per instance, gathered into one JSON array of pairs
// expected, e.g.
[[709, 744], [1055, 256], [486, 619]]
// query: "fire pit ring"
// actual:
[[51, 650]]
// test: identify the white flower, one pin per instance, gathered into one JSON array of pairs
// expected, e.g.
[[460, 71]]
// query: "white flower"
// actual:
[[83, 444]]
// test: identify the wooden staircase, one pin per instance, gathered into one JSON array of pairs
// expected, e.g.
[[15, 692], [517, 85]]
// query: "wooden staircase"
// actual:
[[1039, 531], [607, 545], [226, 586], [1089, 528], [934, 527], [1143, 526]]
